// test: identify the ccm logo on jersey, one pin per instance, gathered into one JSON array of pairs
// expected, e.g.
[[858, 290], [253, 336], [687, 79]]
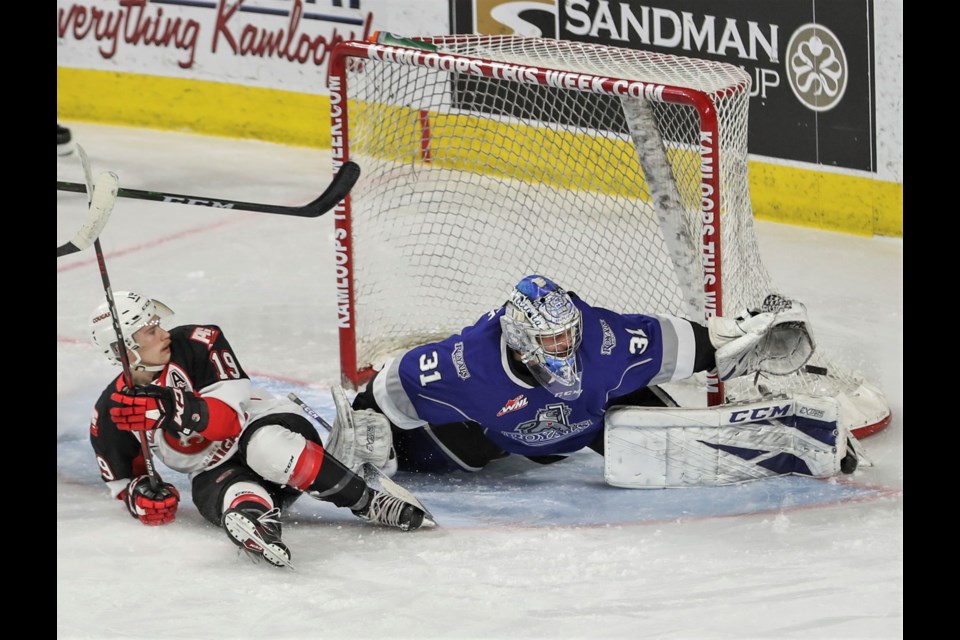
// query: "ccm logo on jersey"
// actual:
[[206, 335], [760, 413]]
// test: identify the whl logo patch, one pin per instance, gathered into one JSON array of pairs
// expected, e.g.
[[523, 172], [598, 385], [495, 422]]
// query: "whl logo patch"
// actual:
[[513, 405]]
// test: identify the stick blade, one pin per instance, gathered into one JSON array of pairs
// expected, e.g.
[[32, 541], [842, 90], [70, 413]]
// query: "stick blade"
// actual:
[[337, 190], [102, 200]]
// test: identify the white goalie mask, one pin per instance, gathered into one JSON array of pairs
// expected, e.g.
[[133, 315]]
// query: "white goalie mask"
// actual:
[[542, 324], [135, 312]]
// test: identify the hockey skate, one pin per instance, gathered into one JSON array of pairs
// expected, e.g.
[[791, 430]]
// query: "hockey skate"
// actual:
[[257, 532], [392, 511]]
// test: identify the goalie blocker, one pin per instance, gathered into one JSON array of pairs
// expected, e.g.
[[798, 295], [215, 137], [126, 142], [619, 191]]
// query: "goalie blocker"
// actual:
[[655, 448]]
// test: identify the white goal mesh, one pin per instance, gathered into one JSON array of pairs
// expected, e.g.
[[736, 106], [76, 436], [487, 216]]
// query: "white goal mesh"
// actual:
[[621, 174]]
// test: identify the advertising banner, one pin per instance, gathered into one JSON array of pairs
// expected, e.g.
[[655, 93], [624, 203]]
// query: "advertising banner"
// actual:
[[273, 44], [811, 61]]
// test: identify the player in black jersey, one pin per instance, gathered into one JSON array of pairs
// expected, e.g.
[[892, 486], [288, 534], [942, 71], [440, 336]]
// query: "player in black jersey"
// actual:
[[248, 453]]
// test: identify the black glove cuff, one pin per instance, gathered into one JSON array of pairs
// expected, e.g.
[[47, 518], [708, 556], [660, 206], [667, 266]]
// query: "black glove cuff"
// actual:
[[197, 413], [196, 416]]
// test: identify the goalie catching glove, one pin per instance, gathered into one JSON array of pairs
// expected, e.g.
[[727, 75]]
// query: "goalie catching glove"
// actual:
[[151, 506], [144, 408], [359, 437], [775, 339]]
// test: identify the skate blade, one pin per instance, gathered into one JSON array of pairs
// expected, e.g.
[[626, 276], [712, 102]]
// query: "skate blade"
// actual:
[[243, 532], [374, 476]]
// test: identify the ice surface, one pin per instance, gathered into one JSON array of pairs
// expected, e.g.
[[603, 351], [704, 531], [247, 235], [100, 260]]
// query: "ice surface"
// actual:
[[523, 551]]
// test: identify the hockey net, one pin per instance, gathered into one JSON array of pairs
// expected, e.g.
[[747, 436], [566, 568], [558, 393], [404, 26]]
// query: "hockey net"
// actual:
[[621, 174]]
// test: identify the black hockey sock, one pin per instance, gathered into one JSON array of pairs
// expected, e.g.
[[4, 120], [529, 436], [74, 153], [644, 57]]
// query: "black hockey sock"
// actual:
[[337, 484]]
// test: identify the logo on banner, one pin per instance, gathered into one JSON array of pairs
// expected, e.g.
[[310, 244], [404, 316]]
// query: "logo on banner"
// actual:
[[817, 68]]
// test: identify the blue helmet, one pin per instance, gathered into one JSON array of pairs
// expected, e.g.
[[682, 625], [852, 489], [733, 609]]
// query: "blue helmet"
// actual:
[[542, 324]]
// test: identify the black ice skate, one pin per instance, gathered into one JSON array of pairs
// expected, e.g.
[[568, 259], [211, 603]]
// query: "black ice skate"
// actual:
[[257, 532], [391, 511]]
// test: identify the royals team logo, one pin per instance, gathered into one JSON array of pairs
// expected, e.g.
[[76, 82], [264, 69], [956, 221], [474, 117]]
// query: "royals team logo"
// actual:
[[551, 424], [609, 339], [458, 361]]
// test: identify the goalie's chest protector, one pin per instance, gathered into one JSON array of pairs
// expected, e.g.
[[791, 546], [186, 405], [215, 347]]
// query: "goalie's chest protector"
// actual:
[[467, 377]]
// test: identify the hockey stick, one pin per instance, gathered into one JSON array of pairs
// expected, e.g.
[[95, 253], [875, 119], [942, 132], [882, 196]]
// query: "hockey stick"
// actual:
[[99, 206], [370, 472], [105, 193], [336, 191]]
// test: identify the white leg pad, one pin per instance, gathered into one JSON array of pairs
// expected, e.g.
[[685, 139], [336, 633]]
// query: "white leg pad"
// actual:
[[273, 452], [655, 448]]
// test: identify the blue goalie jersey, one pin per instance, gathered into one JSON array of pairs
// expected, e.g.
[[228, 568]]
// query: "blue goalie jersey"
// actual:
[[467, 377]]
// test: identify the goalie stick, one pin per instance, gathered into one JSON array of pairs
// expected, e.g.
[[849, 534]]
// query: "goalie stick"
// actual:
[[336, 191], [370, 472]]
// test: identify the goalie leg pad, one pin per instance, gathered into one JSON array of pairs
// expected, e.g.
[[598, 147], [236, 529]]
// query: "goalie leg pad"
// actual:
[[654, 447]]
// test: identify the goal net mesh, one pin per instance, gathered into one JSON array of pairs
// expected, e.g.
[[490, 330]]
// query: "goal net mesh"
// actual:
[[501, 156]]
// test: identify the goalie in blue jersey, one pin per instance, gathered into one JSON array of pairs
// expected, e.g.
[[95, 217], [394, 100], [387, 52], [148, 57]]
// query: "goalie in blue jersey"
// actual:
[[536, 376]]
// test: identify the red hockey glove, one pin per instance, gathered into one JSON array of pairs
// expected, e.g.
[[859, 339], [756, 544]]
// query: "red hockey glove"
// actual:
[[143, 408], [151, 506]]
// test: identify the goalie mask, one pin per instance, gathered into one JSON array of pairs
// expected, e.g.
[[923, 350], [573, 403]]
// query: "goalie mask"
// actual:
[[541, 323], [135, 312]]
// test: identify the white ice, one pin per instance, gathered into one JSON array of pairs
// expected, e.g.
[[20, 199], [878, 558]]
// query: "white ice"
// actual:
[[521, 552]]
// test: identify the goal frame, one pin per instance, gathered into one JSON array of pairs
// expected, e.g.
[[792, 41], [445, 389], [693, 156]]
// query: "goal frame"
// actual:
[[354, 375]]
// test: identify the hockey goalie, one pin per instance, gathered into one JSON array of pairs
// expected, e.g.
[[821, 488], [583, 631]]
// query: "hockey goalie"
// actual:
[[547, 374]]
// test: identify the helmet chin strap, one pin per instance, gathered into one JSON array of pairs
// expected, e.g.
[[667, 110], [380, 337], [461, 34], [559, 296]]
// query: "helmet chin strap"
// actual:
[[138, 366], [153, 368]]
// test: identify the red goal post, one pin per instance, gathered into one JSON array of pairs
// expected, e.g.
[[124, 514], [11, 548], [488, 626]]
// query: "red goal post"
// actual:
[[620, 173]]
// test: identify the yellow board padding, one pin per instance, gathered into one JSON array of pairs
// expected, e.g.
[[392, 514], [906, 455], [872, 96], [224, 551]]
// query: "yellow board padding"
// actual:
[[790, 195], [532, 154], [861, 206], [206, 108]]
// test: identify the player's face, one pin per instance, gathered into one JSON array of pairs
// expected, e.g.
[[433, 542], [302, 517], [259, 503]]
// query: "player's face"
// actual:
[[154, 343], [561, 344]]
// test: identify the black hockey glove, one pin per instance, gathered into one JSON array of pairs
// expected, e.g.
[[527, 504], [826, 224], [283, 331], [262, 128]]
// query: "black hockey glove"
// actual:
[[143, 408], [151, 506]]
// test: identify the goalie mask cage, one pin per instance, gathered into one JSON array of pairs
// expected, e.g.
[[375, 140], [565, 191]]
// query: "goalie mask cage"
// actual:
[[621, 174]]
